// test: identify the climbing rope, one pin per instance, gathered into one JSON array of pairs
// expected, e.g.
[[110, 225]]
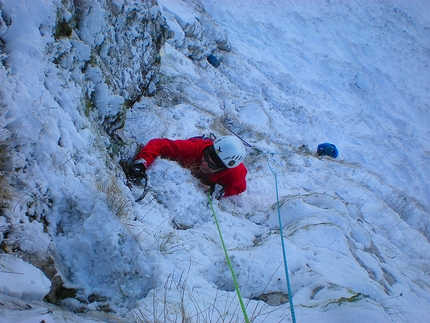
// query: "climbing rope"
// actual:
[[236, 285], [290, 295]]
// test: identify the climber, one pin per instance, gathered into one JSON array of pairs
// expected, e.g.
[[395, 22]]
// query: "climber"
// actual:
[[214, 162]]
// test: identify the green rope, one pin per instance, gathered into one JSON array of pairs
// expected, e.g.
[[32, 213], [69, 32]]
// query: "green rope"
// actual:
[[236, 286]]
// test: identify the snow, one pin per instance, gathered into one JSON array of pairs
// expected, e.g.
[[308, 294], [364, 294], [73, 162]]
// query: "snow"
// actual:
[[293, 74], [22, 280]]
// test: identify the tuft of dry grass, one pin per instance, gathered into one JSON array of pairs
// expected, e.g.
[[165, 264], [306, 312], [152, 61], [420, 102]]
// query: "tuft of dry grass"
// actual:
[[116, 199]]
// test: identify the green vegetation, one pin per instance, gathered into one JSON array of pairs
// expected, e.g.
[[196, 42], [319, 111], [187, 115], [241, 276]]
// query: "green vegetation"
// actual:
[[63, 29], [354, 298]]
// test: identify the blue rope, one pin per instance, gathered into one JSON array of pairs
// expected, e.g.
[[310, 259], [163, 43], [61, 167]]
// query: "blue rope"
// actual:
[[290, 295]]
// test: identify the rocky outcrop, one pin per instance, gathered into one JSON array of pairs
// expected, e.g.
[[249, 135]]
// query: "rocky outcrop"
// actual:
[[116, 46], [125, 41]]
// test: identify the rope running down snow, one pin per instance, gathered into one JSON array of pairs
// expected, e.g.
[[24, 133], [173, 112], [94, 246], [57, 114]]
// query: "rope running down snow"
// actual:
[[290, 295], [236, 286]]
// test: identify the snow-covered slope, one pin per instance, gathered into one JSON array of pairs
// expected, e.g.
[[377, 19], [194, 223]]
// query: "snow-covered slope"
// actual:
[[292, 75]]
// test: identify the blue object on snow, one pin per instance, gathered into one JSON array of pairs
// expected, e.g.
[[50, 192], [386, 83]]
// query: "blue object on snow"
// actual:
[[213, 60], [327, 149]]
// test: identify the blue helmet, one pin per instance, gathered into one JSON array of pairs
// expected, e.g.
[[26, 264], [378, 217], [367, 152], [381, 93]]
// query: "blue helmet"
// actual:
[[327, 149]]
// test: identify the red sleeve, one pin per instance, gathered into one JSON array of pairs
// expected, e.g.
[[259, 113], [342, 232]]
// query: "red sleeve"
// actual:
[[182, 151], [233, 180], [189, 153]]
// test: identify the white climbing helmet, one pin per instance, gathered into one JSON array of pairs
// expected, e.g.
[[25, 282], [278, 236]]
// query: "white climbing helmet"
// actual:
[[230, 150]]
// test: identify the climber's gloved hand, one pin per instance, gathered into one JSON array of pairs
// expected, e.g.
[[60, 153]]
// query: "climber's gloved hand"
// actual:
[[217, 191], [138, 171]]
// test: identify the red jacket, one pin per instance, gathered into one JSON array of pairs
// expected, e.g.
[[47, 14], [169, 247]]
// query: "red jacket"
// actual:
[[189, 154]]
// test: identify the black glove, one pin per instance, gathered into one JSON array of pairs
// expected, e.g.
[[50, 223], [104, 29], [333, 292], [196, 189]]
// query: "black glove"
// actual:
[[137, 172]]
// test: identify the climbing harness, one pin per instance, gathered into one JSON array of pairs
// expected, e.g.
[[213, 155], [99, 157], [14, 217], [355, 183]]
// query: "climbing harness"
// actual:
[[236, 285]]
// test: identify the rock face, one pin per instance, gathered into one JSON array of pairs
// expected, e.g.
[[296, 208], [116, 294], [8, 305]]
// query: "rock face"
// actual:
[[116, 46], [113, 48], [91, 61], [193, 32], [125, 38]]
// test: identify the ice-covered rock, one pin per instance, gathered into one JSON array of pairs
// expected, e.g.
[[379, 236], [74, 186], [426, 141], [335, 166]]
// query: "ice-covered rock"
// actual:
[[22, 280]]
